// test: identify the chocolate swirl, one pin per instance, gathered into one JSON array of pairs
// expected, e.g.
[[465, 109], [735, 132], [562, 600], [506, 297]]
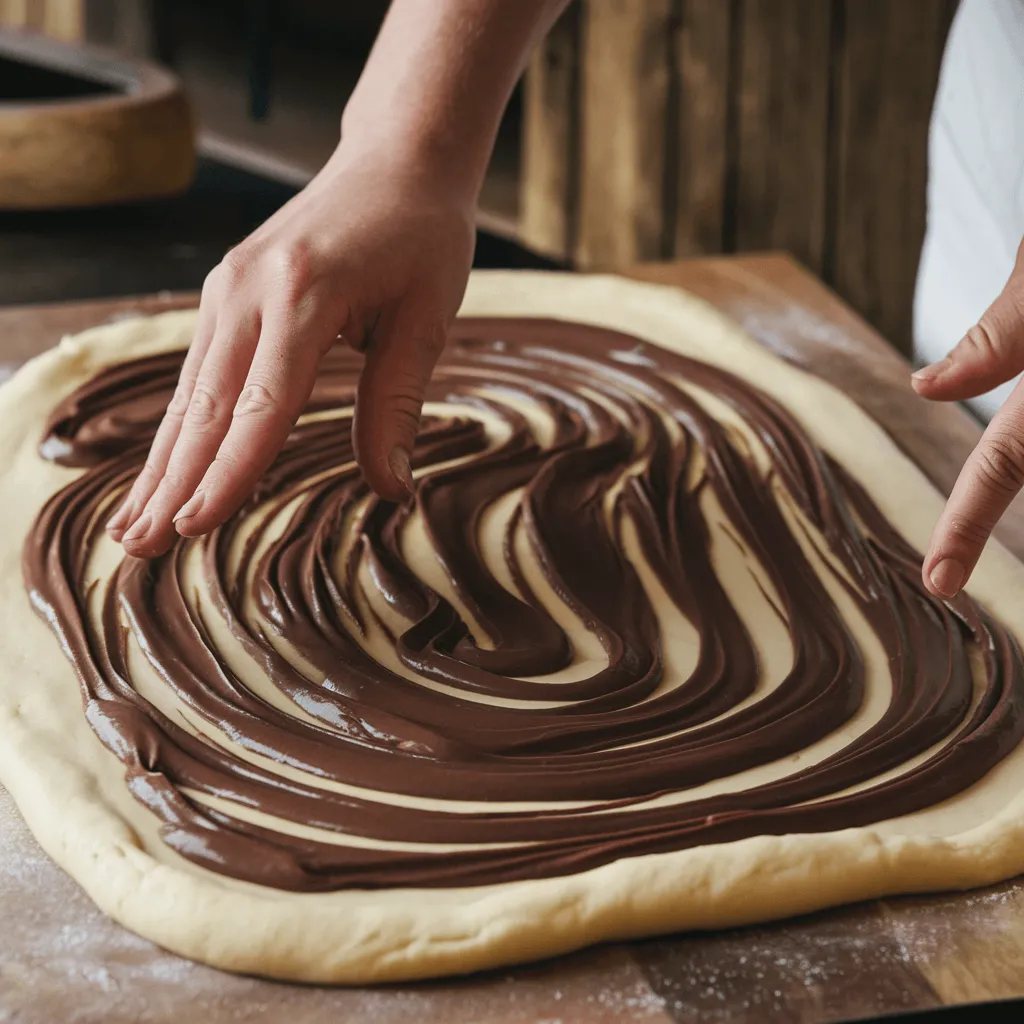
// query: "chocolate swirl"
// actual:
[[539, 665]]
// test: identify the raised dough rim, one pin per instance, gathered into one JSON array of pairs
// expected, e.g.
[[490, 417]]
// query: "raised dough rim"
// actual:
[[348, 937]]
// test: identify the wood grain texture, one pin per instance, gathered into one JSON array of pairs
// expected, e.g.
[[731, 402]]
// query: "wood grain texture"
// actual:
[[703, 69], [128, 26], [62, 960], [134, 143], [974, 954], [21, 14], [782, 128], [887, 75], [624, 97], [797, 124], [61, 19], [837, 966], [64, 19], [550, 140]]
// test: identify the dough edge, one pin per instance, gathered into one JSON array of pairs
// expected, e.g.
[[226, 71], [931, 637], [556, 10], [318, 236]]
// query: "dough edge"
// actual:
[[354, 938]]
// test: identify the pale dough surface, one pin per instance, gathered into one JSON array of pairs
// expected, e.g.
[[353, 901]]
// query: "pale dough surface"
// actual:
[[71, 791]]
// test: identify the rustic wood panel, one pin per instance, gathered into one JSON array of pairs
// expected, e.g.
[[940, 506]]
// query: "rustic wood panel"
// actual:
[[125, 25], [703, 67], [550, 140], [792, 124], [20, 13], [888, 70], [781, 188], [62, 19], [626, 56]]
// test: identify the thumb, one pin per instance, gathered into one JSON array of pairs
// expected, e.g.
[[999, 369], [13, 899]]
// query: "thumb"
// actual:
[[399, 361], [988, 355]]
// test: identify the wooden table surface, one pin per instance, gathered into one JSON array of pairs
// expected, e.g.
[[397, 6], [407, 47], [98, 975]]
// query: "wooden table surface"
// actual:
[[62, 961]]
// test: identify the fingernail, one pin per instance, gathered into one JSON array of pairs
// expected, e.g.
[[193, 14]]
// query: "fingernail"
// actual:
[[398, 460], [115, 526], [191, 507], [932, 372], [140, 529], [118, 519], [948, 577]]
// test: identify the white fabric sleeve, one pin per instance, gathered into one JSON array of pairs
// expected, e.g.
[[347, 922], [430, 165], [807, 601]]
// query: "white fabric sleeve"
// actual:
[[975, 180]]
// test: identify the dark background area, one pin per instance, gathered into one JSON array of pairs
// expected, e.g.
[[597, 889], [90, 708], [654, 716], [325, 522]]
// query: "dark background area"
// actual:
[[156, 246]]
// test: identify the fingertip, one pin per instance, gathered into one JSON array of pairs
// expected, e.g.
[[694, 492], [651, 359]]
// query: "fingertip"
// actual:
[[149, 537], [386, 484], [930, 373], [401, 470], [116, 527], [383, 460], [125, 517], [204, 511], [191, 507], [945, 577], [196, 525], [118, 520], [138, 530], [939, 380], [136, 549], [386, 471], [151, 546], [951, 388], [189, 527], [405, 348]]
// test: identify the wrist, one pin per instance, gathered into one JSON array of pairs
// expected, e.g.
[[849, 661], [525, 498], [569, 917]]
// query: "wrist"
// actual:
[[414, 148]]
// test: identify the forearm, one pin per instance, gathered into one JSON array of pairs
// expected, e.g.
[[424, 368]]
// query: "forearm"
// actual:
[[439, 78]]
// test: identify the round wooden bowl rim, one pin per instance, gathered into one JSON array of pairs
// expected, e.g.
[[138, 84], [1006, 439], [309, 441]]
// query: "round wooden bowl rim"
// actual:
[[134, 80]]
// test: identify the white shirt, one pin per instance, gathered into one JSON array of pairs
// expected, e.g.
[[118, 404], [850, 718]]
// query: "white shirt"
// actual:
[[975, 180]]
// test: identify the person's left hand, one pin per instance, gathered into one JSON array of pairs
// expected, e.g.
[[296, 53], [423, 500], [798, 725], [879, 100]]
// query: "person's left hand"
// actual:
[[991, 353]]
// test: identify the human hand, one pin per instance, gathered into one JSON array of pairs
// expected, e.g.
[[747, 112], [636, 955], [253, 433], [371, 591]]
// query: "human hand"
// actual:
[[991, 353], [376, 249]]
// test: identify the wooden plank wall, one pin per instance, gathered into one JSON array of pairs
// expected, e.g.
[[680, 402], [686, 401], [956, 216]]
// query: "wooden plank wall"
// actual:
[[624, 93], [62, 19], [549, 148], [125, 25], [660, 128]]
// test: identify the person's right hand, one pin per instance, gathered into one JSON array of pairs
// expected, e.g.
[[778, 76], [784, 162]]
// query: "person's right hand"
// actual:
[[375, 250], [991, 353]]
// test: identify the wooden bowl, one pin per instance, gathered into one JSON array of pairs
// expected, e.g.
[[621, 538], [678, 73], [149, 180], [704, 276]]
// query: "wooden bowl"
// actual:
[[80, 126]]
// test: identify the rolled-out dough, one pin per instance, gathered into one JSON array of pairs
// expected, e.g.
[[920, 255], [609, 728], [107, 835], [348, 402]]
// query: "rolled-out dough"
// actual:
[[71, 789]]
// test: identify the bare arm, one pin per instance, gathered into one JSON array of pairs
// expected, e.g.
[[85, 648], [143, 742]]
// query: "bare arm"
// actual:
[[377, 248], [439, 78]]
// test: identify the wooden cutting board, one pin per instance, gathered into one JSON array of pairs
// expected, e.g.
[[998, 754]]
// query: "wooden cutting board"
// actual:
[[61, 960]]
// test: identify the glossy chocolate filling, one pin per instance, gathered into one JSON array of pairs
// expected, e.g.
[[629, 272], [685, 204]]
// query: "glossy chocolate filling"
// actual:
[[630, 446]]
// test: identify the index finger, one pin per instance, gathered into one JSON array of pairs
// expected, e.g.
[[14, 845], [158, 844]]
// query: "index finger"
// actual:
[[988, 482], [275, 391], [146, 483]]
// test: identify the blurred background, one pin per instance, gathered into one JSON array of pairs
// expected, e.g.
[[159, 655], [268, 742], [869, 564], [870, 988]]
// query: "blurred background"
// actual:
[[642, 130]]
